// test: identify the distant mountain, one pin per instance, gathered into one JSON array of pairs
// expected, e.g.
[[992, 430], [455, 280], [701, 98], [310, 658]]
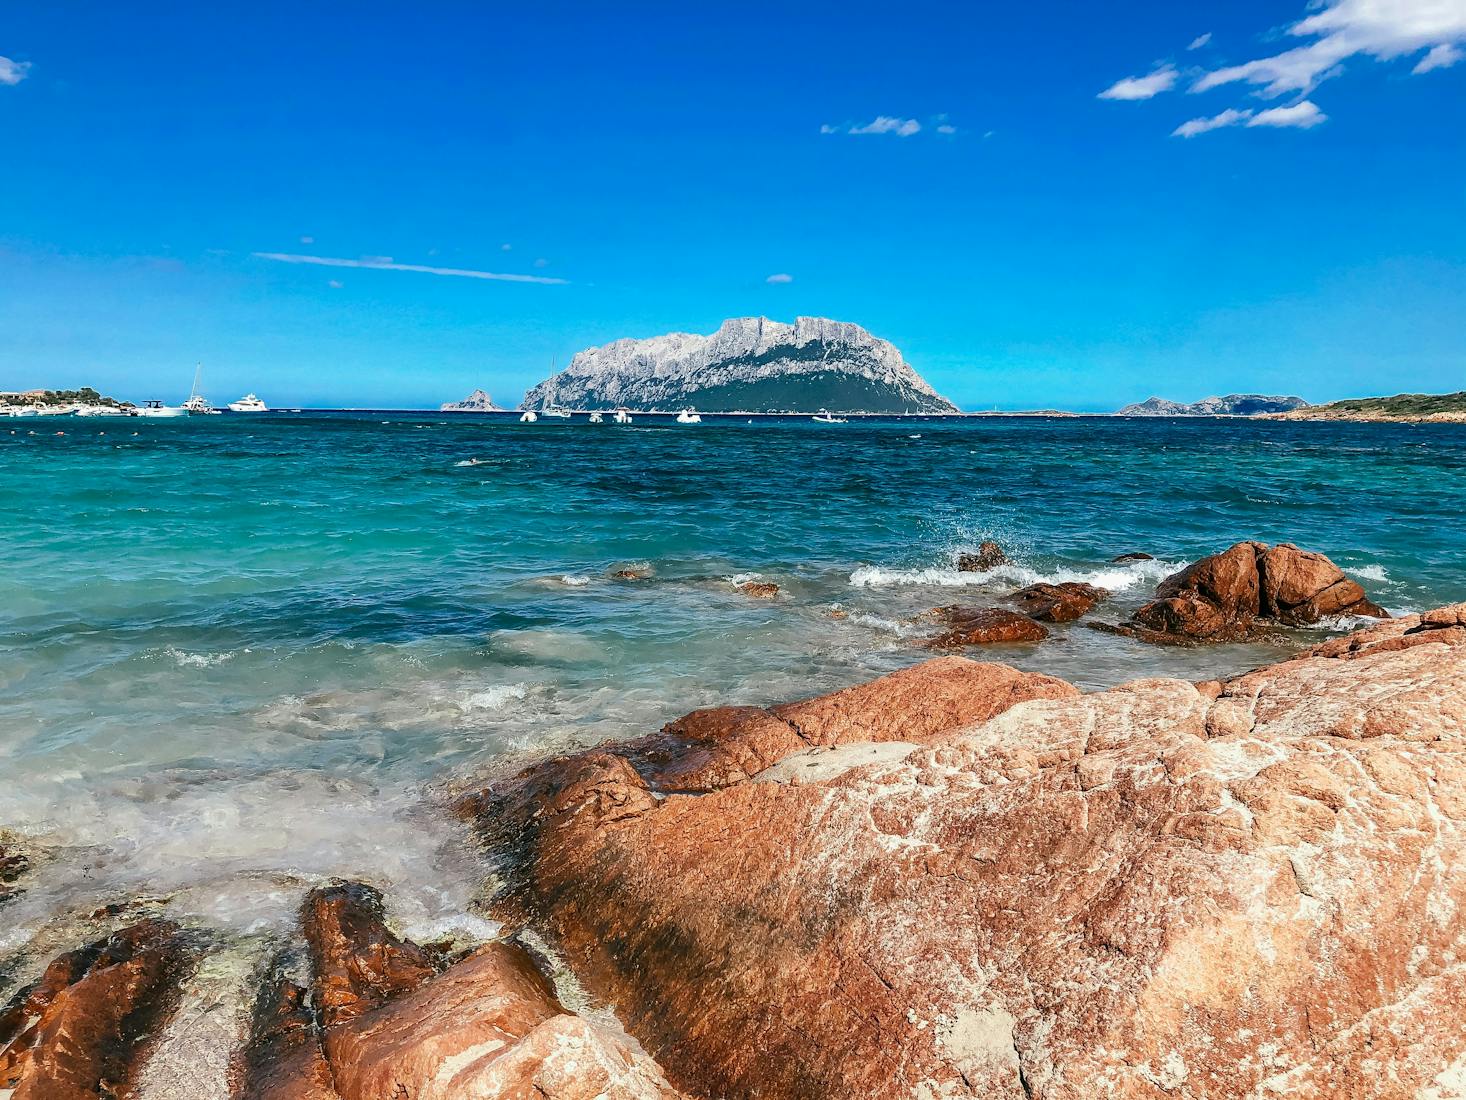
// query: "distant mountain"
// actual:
[[1416, 407], [751, 364], [1234, 404], [476, 402]]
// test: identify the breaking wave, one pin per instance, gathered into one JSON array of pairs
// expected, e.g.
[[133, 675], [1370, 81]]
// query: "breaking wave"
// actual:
[[1115, 578]]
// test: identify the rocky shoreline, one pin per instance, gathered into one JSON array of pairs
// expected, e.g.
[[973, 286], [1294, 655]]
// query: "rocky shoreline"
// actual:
[[956, 880]]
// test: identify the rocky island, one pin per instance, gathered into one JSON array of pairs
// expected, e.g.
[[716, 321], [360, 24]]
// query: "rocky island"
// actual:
[[477, 401], [1234, 404], [751, 364], [1412, 408]]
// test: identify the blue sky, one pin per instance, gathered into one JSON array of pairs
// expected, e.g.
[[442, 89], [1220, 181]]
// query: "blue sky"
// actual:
[[1008, 193]]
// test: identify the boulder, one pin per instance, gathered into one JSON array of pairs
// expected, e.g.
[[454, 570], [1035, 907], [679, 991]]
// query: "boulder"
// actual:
[[984, 626], [83, 1030], [385, 1021], [1134, 555], [1058, 603], [1244, 590], [759, 590], [988, 555], [1253, 889]]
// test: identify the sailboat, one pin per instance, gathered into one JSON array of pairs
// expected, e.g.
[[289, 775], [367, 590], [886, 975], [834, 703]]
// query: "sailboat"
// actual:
[[552, 410], [197, 404]]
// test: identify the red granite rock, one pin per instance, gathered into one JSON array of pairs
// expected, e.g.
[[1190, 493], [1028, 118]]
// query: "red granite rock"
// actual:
[[984, 626], [1058, 603]]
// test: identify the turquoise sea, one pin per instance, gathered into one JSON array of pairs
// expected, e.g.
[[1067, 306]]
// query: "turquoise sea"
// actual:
[[239, 654]]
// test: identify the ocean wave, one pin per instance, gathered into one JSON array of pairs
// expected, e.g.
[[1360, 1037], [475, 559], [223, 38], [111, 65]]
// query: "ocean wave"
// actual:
[[896, 627], [744, 578], [198, 660], [1114, 578], [498, 697], [1371, 572]]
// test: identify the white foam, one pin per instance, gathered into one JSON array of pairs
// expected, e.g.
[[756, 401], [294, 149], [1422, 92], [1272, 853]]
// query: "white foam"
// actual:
[[1114, 578], [887, 626], [1371, 572], [498, 697], [743, 578], [197, 660]]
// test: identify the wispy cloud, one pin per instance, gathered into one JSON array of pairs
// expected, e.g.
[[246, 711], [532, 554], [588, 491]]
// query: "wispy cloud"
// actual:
[[1303, 115], [881, 124], [1195, 126], [385, 263], [946, 128], [1161, 79], [13, 72], [1439, 57], [781, 277], [1199, 41], [1382, 29]]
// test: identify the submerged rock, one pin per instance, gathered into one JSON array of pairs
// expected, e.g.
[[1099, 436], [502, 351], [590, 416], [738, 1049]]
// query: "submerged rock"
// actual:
[[1134, 555], [984, 626], [759, 590], [1243, 590], [1058, 603], [13, 864], [1248, 889], [83, 1030], [988, 555]]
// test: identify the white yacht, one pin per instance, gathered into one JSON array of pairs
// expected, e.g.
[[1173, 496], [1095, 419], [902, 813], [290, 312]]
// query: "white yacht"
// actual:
[[621, 416], [688, 416], [529, 416], [824, 417], [556, 412], [158, 409], [596, 418], [249, 403]]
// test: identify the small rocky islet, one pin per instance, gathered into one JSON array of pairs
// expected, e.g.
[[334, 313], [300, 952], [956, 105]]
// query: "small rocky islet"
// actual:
[[957, 880]]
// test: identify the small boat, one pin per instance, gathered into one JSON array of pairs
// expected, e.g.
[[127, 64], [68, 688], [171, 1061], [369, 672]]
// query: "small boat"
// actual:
[[197, 404], [823, 417], [596, 418], [621, 416], [688, 416], [157, 409], [249, 403], [556, 412], [529, 416]]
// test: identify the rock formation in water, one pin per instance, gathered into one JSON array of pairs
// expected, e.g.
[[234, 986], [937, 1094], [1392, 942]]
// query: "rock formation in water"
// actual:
[[1243, 591], [477, 401], [1410, 408], [751, 364], [984, 626], [1234, 404], [1058, 603], [966, 881]]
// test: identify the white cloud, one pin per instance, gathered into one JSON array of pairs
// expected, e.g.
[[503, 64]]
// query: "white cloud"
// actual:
[[946, 128], [335, 284], [385, 263], [1342, 29], [542, 262], [1303, 116], [781, 277], [307, 240], [1440, 57], [506, 247], [1199, 41], [1161, 79], [882, 124], [13, 72], [1195, 126]]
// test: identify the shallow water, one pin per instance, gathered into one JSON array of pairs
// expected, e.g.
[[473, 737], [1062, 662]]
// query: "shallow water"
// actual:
[[241, 655]]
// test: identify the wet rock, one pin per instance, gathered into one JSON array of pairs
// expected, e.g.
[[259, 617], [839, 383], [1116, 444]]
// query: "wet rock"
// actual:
[[13, 864], [632, 573], [1058, 603], [984, 626], [83, 1030], [1241, 591], [357, 963], [488, 1026], [1134, 555], [1128, 893], [759, 590], [988, 555]]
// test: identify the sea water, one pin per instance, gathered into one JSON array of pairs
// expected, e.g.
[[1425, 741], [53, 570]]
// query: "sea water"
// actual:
[[243, 655]]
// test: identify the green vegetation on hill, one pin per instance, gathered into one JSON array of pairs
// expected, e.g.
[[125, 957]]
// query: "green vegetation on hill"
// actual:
[[84, 396], [1405, 405]]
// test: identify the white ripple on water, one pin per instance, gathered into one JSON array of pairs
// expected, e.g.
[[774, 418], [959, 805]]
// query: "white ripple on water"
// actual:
[[1114, 578]]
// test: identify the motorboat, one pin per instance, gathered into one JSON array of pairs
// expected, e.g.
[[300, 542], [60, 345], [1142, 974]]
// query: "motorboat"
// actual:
[[556, 412], [100, 410], [823, 417], [621, 416], [596, 418], [688, 416], [249, 403], [157, 409], [529, 416]]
